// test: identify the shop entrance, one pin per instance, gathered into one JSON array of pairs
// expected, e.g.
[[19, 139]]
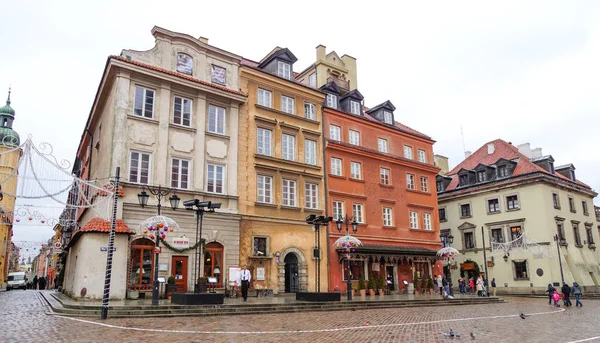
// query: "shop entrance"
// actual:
[[179, 269], [291, 273]]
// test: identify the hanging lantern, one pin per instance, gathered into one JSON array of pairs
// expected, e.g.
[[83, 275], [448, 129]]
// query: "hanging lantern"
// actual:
[[163, 236], [166, 228], [3, 217], [145, 232], [18, 220], [171, 229], [43, 221], [160, 225], [151, 236], [30, 218]]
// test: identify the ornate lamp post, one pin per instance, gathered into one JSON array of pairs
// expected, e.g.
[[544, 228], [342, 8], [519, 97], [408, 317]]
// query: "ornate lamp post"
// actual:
[[199, 207], [348, 244], [160, 193], [447, 251]]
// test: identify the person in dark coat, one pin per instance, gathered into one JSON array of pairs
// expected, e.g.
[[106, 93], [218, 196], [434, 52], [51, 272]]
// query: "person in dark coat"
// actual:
[[550, 291], [35, 282], [566, 290], [42, 282], [577, 294]]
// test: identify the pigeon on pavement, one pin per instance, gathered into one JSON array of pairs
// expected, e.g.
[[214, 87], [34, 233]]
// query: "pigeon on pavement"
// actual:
[[472, 335], [522, 316]]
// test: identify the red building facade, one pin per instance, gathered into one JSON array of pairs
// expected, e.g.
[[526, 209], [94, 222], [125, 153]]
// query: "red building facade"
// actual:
[[381, 174]]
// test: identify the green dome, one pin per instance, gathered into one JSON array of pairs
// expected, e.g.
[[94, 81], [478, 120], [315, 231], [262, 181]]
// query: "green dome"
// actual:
[[9, 137], [6, 109]]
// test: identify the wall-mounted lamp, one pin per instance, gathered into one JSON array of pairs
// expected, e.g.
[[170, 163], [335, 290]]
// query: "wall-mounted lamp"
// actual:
[[277, 254], [505, 257]]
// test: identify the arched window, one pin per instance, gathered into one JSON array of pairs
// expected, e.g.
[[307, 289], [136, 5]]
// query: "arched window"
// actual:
[[213, 258]]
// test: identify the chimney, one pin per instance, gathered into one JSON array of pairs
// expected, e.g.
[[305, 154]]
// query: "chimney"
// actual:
[[491, 148], [537, 152], [525, 149], [467, 154], [321, 51], [442, 163], [203, 40]]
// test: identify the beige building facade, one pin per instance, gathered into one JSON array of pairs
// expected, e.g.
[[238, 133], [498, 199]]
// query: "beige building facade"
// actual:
[[329, 67]]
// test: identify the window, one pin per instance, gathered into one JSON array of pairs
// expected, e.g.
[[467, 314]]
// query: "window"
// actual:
[[143, 104], [502, 171], [515, 232], [180, 173], [354, 137], [520, 269], [355, 170], [311, 197], [427, 221], [465, 210], [387, 117], [287, 104], [572, 205], [463, 179], [576, 235], [139, 167], [512, 202], [422, 156], [185, 64], [442, 214], [556, 200], [336, 166], [481, 176], [585, 208], [263, 141], [589, 235], [424, 184], [182, 111], [497, 235], [264, 189], [332, 101], [264, 98], [310, 111], [217, 74], [338, 210], [310, 151], [216, 119], [288, 147], [414, 220], [354, 107], [214, 178], [357, 212], [289, 192], [561, 232], [335, 133], [312, 80], [469, 240], [440, 186], [384, 176], [357, 270], [408, 153], [387, 216], [382, 145], [410, 181], [259, 246], [493, 206], [284, 70]]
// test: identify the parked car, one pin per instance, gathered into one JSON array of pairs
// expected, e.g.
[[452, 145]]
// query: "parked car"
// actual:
[[16, 280]]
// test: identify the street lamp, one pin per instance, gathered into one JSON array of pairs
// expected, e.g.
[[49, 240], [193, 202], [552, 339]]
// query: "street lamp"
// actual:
[[318, 222], [160, 193], [557, 240], [347, 220], [447, 240], [199, 207]]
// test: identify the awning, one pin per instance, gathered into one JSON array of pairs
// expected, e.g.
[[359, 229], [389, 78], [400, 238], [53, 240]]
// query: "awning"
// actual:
[[395, 250], [390, 253]]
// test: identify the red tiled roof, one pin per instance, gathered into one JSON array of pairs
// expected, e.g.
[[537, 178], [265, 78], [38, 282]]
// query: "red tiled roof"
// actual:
[[180, 75], [249, 63], [100, 225], [398, 125]]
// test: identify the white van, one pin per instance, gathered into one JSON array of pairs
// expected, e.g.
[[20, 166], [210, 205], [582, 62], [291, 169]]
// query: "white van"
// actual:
[[16, 280]]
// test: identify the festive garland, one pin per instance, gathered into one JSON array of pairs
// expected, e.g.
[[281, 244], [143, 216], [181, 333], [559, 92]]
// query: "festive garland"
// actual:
[[182, 250]]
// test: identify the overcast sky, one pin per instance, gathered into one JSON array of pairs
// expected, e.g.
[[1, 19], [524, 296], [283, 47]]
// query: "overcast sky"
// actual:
[[523, 71]]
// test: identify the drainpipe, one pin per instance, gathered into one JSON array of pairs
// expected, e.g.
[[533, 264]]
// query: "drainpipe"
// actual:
[[325, 189], [91, 153]]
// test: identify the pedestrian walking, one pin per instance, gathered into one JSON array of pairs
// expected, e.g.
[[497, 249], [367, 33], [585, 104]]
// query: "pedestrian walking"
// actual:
[[566, 290], [577, 293], [494, 286], [435, 285], [42, 283], [245, 281], [550, 292], [461, 285], [472, 285], [445, 285], [479, 286], [440, 284], [556, 298], [35, 282]]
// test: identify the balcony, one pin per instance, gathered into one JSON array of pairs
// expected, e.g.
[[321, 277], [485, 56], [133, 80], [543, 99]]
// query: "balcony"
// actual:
[[340, 83]]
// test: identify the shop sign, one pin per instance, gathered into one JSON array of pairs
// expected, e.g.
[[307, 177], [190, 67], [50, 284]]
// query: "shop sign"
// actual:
[[181, 242]]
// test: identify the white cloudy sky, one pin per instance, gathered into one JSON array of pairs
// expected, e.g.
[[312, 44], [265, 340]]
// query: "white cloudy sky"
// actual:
[[523, 71]]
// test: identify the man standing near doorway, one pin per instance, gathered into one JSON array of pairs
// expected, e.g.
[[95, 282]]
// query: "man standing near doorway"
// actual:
[[245, 281]]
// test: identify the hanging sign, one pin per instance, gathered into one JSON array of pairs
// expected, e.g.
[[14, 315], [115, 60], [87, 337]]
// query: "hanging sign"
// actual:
[[181, 242]]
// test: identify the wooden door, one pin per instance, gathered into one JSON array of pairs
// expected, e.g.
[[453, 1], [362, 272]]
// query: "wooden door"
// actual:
[[179, 269]]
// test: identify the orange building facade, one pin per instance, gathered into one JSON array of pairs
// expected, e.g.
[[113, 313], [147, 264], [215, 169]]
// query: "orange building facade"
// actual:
[[381, 174]]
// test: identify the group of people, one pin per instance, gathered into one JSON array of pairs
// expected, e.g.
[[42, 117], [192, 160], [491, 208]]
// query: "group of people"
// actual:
[[440, 283], [473, 285], [566, 290], [39, 283]]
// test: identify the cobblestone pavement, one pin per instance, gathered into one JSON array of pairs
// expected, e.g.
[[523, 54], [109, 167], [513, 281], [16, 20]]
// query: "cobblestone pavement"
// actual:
[[23, 318]]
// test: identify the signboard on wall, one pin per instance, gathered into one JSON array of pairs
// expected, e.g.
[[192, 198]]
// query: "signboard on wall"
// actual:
[[260, 274], [181, 242], [233, 275]]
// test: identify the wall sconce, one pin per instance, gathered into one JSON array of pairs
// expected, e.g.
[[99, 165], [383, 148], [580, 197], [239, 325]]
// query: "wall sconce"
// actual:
[[277, 254], [505, 257]]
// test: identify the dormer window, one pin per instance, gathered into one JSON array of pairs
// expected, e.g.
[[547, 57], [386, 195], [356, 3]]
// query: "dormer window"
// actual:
[[387, 117], [502, 171], [463, 180], [284, 70], [355, 107], [185, 64], [572, 174], [332, 101], [481, 176]]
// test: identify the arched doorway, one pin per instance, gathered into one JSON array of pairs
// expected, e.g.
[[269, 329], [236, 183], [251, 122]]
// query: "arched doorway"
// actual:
[[141, 274], [291, 273], [213, 261]]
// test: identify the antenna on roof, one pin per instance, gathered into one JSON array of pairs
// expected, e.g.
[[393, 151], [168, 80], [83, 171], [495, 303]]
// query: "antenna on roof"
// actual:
[[463, 139]]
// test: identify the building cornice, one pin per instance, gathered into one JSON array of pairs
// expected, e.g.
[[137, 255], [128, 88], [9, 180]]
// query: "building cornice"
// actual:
[[291, 86]]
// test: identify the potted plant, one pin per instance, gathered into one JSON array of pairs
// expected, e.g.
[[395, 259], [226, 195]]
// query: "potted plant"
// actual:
[[372, 285], [171, 286], [354, 288], [381, 284], [362, 287], [430, 285], [201, 285]]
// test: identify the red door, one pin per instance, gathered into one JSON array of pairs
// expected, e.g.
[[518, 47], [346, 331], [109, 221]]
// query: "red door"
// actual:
[[179, 269]]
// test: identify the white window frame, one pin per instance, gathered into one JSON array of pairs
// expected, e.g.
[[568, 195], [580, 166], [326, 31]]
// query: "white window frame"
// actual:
[[355, 170], [358, 211], [354, 137], [422, 155], [289, 190], [139, 167], [179, 182], [388, 217], [332, 101], [384, 176], [215, 177], [311, 195], [264, 139], [264, 194], [182, 114], [336, 166], [288, 147], [216, 114], [284, 70], [287, 104], [265, 98], [310, 111], [413, 218], [410, 181], [338, 210], [335, 132], [424, 184], [427, 221], [354, 107], [143, 108], [388, 118], [312, 80], [310, 151], [408, 152], [382, 145]]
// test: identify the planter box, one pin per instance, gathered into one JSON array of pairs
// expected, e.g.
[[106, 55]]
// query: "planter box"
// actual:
[[318, 297], [197, 298]]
